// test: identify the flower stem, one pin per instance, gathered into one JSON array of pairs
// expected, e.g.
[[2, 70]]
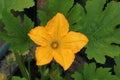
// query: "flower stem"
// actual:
[[22, 67]]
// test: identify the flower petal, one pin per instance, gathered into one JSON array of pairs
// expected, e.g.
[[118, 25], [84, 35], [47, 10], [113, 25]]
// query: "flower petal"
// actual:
[[39, 36], [43, 55], [64, 57], [74, 41], [58, 25]]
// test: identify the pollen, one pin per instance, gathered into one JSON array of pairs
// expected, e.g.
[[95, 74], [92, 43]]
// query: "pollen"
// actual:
[[54, 45]]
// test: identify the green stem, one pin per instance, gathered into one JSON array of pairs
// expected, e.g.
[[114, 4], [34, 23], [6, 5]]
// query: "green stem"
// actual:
[[29, 61], [10, 70], [9, 62], [22, 66]]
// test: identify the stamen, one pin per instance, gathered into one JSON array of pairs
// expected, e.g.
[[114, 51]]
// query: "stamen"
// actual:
[[54, 45]]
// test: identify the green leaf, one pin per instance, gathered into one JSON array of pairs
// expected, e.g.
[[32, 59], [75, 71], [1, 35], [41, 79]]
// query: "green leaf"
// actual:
[[16, 5], [52, 72], [90, 72], [99, 26], [16, 32], [56, 72], [56, 75], [43, 17], [19, 5], [62, 6], [72, 12], [18, 78], [77, 76], [54, 6], [117, 66], [74, 16]]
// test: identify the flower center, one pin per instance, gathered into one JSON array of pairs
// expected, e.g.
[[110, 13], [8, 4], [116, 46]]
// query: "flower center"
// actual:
[[54, 45]]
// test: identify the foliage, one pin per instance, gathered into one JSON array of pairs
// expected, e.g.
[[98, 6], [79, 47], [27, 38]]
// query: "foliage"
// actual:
[[18, 78], [100, 27], [15, 5], [16, 34], [97, 20], [98, 24], [19, 5], [16, 31], [90, 72], [62, 6], [53, 72]]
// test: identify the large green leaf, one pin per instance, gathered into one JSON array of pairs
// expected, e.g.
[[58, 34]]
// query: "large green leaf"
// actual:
[[90, 72], [54, 6], [99, 26], [16, 33], [65, 7], [16, 5], [19, 5]]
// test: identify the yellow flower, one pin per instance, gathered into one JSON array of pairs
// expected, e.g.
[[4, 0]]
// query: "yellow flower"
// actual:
[[55, 42]]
